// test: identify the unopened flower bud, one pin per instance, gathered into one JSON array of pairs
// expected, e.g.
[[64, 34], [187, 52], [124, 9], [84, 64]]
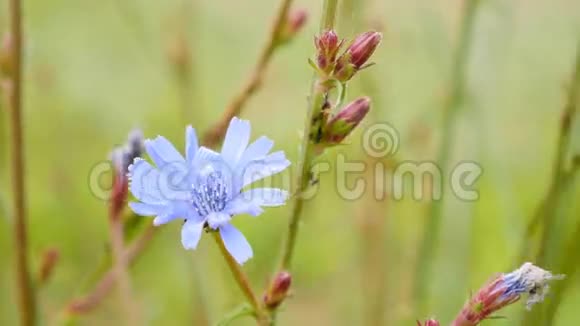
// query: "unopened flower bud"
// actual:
[[343, 123], [121, 158], [278, 290], [294, 23], [6, 59], [429, 322], [504, 290], [356, 55], [49, 259], [327, 46]]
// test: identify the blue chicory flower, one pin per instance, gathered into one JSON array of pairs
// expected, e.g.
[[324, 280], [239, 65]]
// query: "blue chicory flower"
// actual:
[[206, 188]]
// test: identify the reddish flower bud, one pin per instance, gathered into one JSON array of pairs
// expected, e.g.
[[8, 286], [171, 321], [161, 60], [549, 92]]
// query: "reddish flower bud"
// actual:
[[49, 259], [429, 322], [294, 23], [327, 46], [121, 158], [357, 54], [278, 290], [6, 60], [342, 124]]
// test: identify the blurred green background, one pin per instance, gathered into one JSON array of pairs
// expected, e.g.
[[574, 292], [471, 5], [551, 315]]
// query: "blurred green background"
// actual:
[[96, 69]]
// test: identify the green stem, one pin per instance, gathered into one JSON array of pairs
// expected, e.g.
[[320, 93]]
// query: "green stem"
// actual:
[[558, 177], [242, 280], [563, 180], [26, 297], [431, 231], [317, 101], [328, 15]]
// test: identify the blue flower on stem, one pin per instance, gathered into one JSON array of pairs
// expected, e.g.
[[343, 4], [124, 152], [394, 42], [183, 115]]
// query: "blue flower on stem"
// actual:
[[206, 188]]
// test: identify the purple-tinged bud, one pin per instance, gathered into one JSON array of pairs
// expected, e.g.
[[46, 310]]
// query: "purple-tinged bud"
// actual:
[[504, 290], [429, 322], [49, 260], [327, 46], [6, 59], [121, 158], [294, 23], [343, 123], [356, 55], [278, 290]]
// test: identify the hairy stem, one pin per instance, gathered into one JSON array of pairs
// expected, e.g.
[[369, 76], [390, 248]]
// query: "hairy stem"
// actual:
[[242, 281], [216, 133], [431, 231], [13, 89]]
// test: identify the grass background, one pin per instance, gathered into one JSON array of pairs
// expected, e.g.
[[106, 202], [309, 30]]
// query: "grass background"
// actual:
[[96, 69]]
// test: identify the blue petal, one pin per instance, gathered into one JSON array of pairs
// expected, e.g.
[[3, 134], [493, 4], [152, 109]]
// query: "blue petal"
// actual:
[[191, 144], [266, 196], [236, 140], [162, 151], [191, 233], [257, 150], [175, 210], [236, 243], [144, 182], [241, 205], [262, 168], [205, 155], [216, 220], [147, 209]]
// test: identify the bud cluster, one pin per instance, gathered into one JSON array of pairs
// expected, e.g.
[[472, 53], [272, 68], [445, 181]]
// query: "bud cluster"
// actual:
[[353, 59]]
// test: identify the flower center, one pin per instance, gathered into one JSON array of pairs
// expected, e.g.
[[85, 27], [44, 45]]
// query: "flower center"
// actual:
[[210, 191]]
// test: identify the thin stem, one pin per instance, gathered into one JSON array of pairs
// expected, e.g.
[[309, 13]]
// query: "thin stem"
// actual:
[[102, 288], [120, 269], [554, 200], [328, 15], [216, 133], [431, 231], [317, 101], [13, 88], [544, 210], [373, 207], [242, 280]]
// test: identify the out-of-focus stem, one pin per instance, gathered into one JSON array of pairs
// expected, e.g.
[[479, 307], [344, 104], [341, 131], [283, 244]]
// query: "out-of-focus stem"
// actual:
[[569, 267], [561, 181], [430, 238], [13, 89], [216, 133], [242, 281], [102, 288], [559, 178], [120, 269]]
